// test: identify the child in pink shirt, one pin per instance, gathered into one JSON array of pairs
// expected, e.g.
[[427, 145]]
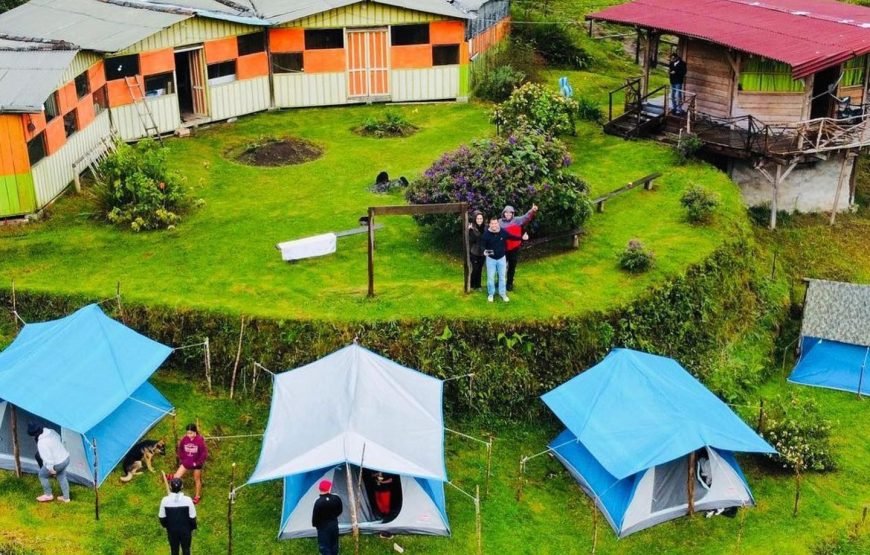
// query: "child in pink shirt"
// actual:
[[192, 453]]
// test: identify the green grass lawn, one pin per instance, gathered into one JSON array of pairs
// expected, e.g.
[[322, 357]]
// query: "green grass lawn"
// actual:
[[223, 256]]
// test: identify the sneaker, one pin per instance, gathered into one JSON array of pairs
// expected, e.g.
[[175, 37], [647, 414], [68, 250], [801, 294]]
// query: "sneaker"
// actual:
[[489, 298], [45, 498], [385, 535], [505, 298], [196, 500], [63, 499]]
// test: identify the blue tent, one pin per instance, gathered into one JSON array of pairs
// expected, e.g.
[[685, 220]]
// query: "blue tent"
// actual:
[[84, 375], [632, 422], [833, 365]]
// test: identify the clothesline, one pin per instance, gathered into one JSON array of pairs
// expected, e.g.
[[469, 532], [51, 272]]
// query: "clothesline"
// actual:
[[466, 436], [218, 438], [190, 346]]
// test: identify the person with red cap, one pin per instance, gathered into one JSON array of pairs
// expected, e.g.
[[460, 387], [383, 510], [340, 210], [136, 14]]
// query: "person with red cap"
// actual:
[[324, 518]]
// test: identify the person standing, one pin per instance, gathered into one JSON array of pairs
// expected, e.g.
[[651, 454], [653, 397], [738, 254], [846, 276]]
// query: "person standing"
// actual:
[[324, 518], [178, 515], [492, 244], [55, 460], [677, 76], [192, 454], [475, 230], [514, 226]]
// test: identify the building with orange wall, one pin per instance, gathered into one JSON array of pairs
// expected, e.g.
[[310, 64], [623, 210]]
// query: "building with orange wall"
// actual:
[[99, 69]]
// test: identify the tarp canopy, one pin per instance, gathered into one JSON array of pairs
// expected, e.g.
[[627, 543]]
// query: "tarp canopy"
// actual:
[[635, 410], [325, 412], [77, 370], [833, 365]]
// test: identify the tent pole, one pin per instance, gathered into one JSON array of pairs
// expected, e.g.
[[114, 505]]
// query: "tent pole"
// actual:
[[354, 519], [797, 489], [467, 258], [208, 364], [477, 521], [16, 450], [230, 500], [488, 466], [691, 484], [594, 525], [861, 376], [14, 305], [96, 481]]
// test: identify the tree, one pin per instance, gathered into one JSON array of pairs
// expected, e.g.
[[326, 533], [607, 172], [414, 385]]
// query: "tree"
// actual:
[[6, 5]]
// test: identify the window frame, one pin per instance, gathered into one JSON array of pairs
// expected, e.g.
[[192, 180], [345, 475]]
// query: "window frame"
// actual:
[[224, 78], [770, 77], [121, 75], [409, 40], [852, 68], [44, 150], [100, 98], [82, 78], [71, 128], [245, 48], [166, 77], [282, 69], [440, 48], [50, 115], [325, 45]]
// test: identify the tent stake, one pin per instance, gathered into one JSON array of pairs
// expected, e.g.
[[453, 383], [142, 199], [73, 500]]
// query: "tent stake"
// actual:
[[16, 451], [691, 484], [230, 500], [96, 481], [477, 521]]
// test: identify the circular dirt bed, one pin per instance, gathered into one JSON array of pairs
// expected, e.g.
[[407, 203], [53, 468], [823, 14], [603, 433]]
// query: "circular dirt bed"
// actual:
[[271, 152]]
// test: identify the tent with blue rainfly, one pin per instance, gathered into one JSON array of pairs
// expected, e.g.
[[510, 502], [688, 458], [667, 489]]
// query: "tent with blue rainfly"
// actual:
[[835, 337], [635, 424], [85, 376], [343, 417]]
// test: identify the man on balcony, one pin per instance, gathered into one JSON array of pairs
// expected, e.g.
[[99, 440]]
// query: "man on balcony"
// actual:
[[677, 75]]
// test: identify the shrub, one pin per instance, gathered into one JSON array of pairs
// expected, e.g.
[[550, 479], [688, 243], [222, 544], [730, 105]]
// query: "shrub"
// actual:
[[636, 258], [538, 108], [794, 426], [136, 188], [391, 124], [521, 169], [555, 43], [588, 110], [760, 216], [700, 204], [688, 147], [498, 84]]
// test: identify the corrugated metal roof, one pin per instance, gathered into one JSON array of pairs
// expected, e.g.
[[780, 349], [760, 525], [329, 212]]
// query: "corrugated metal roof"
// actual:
[[808, 35], [27, 77], [282, 11]]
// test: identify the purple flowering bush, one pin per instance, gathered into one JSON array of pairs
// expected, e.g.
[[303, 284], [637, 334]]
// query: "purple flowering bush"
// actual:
[[522, 169]]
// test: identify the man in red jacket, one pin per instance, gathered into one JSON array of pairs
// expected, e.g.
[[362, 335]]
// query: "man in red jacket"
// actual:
[[514, 226]]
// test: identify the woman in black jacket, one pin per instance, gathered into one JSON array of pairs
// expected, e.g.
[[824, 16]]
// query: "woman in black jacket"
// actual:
[[475, 230]]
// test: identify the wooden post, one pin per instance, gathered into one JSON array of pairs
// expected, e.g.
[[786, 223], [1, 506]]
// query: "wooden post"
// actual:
[[16, 450], [488, 466], [773, 205], [175, 437], [230, 500], [839, 187], [15, 306], [647, 56], [797, 489], [96, 481], [467, 257], [354, 517], [118, 300], [238, 356], [371, 253], [760, 427], [208, 364], [522, 478], [477, 521], [690, 485]]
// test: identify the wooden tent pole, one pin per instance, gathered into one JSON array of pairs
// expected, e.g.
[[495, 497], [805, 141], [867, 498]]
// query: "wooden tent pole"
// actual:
[[15, 306], [238, 357], [477, 521], [691, 484], [371, 252], [467, 257], [175, 436], [16, 450], [96, 481], [354, 518], [488, 466], [839, 187], [230, 500]]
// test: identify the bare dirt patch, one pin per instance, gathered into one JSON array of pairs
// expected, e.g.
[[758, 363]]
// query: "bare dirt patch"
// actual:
[[274, 152]]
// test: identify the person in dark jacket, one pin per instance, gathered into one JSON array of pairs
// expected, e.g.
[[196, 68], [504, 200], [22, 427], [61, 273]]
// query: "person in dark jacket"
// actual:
[[677, 75], [178, 515], [324, 518], [475, 230], [492, 244], [192, 454], [514, 226]]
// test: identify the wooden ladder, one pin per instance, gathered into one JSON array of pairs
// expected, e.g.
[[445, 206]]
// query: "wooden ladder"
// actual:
[[143, 110]]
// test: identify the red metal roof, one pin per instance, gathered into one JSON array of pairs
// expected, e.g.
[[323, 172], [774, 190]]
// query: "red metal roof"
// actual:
[[809, 35]]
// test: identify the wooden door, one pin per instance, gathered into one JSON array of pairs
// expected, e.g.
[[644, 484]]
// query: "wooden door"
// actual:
[[368, 64], [197, 82]]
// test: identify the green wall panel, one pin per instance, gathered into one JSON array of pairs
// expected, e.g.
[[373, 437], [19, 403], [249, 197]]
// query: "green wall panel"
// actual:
[[17, 195]]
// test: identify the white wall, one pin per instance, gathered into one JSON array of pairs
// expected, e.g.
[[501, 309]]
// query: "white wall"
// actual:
[[127, 121], [293, 90], [238, 98], [435, 83]]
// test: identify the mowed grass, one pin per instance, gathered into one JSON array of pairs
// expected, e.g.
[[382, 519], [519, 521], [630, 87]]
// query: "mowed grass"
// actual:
[[223, 256], [552, 515]]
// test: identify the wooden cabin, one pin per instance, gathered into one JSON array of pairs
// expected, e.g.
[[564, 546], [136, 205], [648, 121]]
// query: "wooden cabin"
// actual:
[[75, 74], [776, 90]]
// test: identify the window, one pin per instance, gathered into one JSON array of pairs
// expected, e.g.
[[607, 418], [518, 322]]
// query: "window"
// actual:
[[36, 148], [251, 44], [402, 35], [71, 123], [101, 100], [224, 72], [853, 71], [50, 107], [763, 75], [445, 55], [320, 39], [82, 85], [122, 66], [158, 85], [287, 63]]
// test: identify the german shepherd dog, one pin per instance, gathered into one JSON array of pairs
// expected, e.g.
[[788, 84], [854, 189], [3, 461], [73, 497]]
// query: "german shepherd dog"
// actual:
[[141, 455]]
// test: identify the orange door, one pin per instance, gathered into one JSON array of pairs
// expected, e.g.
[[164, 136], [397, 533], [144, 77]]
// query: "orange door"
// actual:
[[368, 64]]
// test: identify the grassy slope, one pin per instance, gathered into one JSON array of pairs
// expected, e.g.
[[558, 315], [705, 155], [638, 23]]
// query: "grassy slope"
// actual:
[[223, 256]]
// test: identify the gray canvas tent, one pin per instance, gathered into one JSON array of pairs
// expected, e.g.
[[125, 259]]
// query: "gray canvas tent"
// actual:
[[354, 409]]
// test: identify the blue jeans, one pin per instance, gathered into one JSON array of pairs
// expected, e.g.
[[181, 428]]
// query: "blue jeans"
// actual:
[[493, 266], [677, 96], [60, 472]]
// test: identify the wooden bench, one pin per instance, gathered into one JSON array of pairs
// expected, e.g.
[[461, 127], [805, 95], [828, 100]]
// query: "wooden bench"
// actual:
[[574, 235], [646, 181]]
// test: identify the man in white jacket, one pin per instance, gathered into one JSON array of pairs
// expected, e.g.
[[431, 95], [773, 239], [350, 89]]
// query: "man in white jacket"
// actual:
[[55, 460]]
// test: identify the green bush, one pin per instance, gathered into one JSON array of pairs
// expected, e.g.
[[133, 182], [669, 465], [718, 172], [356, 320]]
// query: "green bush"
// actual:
[[760, 216], [636, 258], [391, 124], [700, 204], [524, 168], [536, 107], [554, 42], [795, 427], [688, 147], [498, 84], [589, 110], [137, 190]]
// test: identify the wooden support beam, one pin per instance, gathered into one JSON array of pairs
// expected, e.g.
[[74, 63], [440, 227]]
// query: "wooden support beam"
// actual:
[[16, 449], [371, 243], [690, 484]]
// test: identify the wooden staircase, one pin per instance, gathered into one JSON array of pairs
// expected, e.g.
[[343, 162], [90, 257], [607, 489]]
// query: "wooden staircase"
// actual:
[[638, 122]]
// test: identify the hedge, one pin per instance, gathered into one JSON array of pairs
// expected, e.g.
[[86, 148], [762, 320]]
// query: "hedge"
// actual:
[[688, 317]]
